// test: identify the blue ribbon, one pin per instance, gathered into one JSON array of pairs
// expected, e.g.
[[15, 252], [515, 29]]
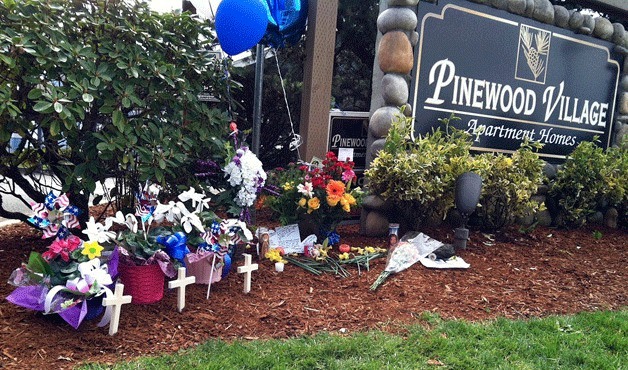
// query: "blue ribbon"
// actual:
[[333, 237], [176, 245], [227, 267]]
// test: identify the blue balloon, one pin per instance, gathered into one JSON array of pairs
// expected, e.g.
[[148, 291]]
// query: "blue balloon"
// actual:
[[286, 22], [240, 24]]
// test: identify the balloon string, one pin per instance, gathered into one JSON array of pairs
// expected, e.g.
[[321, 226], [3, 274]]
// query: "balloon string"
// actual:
[[296, 138], [228, 79]]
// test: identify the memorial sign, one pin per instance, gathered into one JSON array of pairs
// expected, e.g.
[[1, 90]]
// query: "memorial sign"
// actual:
[[348, 132], [510, 78]]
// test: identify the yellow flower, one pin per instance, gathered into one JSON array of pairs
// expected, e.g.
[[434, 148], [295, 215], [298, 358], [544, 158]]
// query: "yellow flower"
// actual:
[[343, 256], [302, 202], [349, 199], [287, 186], [358, 250], [91, 249], [369, 250], [332, 200], [313, 204]]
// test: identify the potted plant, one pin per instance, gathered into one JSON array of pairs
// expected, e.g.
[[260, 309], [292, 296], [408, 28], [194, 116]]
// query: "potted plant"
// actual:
[[70, 278]]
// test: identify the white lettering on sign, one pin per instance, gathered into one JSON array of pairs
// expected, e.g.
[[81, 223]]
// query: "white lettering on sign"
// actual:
[[487, 95], [338, 141]]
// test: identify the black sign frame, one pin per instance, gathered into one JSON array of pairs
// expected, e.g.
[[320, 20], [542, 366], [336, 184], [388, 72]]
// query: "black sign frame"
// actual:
[[557, 87]]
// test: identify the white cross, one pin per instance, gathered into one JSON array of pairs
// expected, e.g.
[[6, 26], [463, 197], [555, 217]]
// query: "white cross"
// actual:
[[116, 302], [247, 269], [180, 284]]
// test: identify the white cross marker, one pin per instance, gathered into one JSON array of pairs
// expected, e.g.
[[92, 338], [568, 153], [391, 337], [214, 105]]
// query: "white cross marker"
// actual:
[[116, 302], [247, 269], [180, 284]]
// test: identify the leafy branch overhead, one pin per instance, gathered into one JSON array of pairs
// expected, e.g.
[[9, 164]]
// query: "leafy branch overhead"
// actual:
[[104, 89]]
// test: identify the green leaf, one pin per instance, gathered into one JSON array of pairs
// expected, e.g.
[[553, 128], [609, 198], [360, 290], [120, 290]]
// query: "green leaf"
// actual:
[[118, 120], [54, 128], [42, 106], [38, 264], [8, 61], [126, 102], [102, 146], [34, 94], [88, 98], [58, 107]]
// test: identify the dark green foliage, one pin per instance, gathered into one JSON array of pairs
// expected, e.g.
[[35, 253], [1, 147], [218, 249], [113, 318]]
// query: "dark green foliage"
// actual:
[[101, 89]]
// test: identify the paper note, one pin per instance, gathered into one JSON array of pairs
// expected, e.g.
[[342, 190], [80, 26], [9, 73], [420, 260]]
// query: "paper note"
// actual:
[[287, 237], [345, 154]]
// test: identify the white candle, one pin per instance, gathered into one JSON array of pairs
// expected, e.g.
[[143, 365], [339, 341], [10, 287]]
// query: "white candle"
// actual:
[[279, 266]]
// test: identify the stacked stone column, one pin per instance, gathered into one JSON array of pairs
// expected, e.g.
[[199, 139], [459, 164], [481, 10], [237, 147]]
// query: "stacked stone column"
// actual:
[[395, 57]]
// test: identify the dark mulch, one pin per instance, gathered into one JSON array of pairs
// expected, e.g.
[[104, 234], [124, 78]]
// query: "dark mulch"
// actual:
[[512, 275]]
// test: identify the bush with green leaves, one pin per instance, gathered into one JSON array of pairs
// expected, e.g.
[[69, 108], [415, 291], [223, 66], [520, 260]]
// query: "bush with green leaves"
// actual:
[[591, 179], [508, 184], [100, 89], [418, 176]]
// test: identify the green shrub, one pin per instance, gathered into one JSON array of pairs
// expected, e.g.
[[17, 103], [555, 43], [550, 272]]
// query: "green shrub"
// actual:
[[105, 89], [591, 179], [418, 176], [508, 183]]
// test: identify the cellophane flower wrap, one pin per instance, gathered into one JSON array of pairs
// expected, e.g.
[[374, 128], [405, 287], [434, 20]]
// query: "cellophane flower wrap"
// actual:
[[71, 273], [324, 192]]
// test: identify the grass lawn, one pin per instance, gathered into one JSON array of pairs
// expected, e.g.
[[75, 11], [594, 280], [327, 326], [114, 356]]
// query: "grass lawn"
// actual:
[[595, 340]]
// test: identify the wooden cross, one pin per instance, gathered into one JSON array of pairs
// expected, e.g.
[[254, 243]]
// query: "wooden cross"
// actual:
[[180, 284], [116, 302], [247, 269]]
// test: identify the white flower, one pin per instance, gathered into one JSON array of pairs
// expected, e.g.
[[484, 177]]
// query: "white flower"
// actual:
[[92, 272], [129, 220], [245, 171], [198, 199], [97, 232], [306, 189], [170, 211]]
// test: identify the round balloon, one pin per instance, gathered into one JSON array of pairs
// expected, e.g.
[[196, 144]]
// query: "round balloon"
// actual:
[[240, 24]]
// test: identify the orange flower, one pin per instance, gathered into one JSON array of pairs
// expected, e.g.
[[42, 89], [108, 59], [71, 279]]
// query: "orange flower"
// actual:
[[335, 188], [302, 202]]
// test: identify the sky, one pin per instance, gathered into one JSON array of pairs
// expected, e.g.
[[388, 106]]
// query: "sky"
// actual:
[[202, 6]]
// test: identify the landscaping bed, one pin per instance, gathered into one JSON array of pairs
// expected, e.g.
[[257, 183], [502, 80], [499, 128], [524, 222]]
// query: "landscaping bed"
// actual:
[[514, 275]]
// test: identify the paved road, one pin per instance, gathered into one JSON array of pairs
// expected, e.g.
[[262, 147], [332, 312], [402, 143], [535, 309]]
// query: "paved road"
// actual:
[[47, 183]]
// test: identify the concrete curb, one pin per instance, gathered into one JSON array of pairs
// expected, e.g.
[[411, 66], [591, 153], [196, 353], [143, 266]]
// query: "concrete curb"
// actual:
[[9, 222]]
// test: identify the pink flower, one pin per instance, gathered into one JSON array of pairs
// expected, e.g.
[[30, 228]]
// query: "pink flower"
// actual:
[[62, 248], [348, 175]]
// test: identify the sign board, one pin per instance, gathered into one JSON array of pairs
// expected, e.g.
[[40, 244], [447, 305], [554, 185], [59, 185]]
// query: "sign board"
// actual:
[[509, 78], [348, 132]]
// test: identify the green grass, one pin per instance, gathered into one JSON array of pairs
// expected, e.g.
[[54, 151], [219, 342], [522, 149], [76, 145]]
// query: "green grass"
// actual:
[[584, 341]]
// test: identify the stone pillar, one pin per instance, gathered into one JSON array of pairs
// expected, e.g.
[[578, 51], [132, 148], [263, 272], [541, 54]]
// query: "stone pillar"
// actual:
[[394, 60], [317, 77]]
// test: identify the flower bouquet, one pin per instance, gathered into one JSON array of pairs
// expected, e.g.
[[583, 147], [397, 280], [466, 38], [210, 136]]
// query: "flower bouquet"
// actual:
[[320, 196], [236, 184], [70, 278]]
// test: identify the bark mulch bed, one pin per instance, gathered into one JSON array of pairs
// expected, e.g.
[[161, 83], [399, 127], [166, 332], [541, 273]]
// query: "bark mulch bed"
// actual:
[[512, 275]]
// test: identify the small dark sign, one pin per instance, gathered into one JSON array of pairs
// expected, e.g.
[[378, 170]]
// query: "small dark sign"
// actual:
[[347, 138], [509, 78]]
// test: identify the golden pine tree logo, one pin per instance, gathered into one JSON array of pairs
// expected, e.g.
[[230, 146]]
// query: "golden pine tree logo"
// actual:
[[534, 47]]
